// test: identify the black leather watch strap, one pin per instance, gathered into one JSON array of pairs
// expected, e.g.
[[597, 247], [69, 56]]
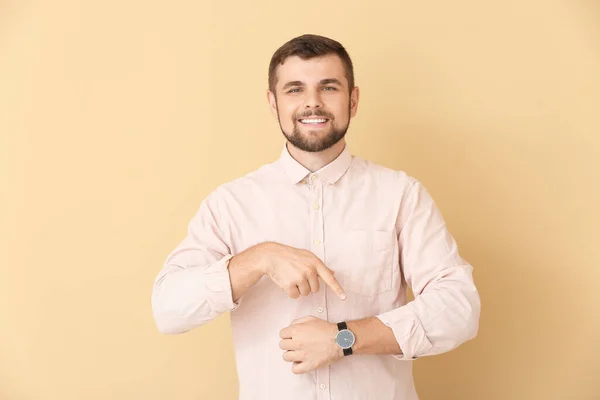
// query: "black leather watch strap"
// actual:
[[347, 351]]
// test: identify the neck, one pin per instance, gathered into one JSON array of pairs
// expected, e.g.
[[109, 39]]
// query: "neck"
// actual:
[[315, 161]]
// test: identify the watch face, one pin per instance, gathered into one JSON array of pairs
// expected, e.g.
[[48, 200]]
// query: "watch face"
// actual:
[[345, 339]]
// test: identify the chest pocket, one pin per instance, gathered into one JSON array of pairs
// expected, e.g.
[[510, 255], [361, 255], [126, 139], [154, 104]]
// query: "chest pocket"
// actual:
[[363, 261]]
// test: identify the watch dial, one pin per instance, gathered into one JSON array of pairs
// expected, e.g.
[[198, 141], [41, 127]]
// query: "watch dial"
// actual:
[[345, 339]]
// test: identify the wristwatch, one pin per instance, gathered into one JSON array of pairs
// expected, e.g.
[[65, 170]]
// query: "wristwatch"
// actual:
[[345, 338]]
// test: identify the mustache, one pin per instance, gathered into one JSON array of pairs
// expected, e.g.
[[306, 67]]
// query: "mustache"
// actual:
[[316, 113]]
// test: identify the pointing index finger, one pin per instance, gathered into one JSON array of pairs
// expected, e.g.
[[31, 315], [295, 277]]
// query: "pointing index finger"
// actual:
[[327, 276]]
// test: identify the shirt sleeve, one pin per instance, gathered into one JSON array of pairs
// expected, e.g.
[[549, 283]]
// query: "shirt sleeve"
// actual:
[[193, 286], [445, 310]]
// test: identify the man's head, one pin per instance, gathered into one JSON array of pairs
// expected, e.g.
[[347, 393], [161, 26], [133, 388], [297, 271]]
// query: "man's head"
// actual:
[[312, 92]]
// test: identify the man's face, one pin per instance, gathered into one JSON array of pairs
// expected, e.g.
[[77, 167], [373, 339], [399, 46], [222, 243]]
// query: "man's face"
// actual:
[[313, 102]]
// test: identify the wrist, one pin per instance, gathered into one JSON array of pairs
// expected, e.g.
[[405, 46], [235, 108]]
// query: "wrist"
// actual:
[[263, 251], [251, 262]]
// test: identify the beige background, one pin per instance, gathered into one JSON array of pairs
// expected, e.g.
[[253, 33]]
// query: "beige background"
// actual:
[[118, 117]]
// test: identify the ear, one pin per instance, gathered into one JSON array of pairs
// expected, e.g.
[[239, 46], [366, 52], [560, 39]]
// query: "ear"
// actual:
[[272, 103], [354, 101]]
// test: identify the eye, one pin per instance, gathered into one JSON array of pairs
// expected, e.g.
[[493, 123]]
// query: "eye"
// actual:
[[329, 88], [294, 90]]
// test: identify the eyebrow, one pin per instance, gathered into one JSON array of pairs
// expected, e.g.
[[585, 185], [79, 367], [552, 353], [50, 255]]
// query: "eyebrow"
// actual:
[[322, 82], [292, 83], [331, 80]]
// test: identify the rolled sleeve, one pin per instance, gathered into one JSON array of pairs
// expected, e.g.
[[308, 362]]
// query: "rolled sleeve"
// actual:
[[194, 285], [446, 308], [408, 331], [218, 286]]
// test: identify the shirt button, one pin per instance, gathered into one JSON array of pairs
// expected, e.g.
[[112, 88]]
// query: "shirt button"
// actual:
[[317, 242], [313, 178], [323, 386], [316, 206], [320, 309]]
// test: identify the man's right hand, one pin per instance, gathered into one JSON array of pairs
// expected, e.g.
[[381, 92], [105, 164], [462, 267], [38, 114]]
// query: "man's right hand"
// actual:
[[296, 271]]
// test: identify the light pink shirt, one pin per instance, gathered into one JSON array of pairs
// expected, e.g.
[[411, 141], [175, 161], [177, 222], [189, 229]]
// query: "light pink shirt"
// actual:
[[377, 228]]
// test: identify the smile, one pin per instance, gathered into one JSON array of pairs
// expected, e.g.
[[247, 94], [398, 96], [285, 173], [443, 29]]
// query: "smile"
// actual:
[[313, 121]]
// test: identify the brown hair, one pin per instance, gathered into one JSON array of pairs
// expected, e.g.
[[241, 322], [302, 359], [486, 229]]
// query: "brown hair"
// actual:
[[307, 47]]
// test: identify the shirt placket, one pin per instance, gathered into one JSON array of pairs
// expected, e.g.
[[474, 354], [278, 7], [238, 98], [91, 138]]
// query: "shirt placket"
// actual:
[[317, 247]]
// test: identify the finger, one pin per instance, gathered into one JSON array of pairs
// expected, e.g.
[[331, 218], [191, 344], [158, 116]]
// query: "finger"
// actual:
[[286, 333], [289, 344], [292, 291], [304, 288], [313, 281], [327, 275], [290, 356], [300, 367]]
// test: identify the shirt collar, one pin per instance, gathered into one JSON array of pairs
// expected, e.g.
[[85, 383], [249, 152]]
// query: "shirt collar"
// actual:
[[330, 173]]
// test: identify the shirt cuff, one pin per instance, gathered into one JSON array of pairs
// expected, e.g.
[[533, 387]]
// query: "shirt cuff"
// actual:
[[218, 286], [408, 331]]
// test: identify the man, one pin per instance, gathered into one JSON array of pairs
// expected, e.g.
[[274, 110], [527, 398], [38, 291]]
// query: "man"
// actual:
[[312, 255]]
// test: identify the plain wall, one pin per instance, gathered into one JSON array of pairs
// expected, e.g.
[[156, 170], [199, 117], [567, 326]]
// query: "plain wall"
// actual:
[[118, 117]]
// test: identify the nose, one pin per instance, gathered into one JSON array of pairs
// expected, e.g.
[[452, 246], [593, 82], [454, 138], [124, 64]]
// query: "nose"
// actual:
[[313, 99]]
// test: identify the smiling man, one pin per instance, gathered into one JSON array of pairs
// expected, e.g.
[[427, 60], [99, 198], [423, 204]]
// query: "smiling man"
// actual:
[[313, 253]]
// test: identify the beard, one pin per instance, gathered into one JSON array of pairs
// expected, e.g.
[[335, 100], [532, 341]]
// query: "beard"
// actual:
[[313, 142]]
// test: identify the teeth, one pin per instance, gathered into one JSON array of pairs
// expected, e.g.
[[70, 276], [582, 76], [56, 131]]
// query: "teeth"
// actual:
[[313, 121]]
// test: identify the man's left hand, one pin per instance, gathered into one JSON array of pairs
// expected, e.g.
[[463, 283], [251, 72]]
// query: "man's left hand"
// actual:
[[310, 343]]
